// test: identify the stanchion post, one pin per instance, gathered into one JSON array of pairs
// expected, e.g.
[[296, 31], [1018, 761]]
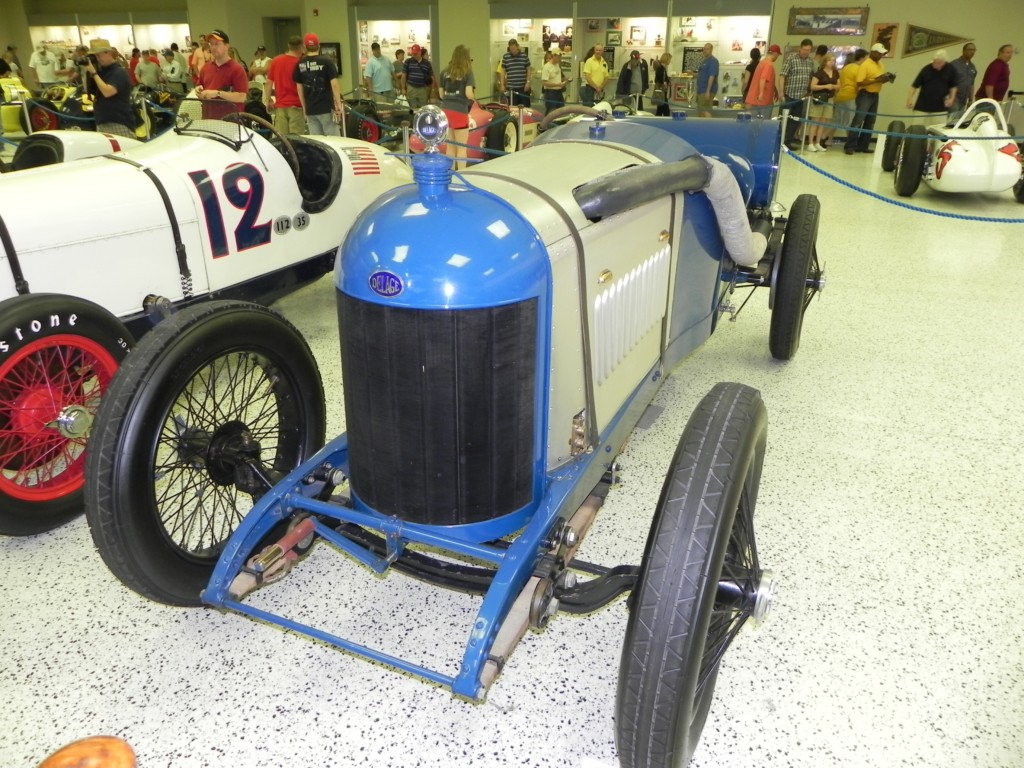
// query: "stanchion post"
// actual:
[[405, 141], [344, 122]]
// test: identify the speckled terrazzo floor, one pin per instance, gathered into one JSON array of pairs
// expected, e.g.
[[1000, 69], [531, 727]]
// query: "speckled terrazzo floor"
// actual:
[[890, 510]]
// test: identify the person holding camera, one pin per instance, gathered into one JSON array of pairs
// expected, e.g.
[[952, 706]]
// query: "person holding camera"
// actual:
[[109, 85], [871, 76]]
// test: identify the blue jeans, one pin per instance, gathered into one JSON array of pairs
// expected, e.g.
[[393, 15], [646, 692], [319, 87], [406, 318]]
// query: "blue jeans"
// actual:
[[867, 106]]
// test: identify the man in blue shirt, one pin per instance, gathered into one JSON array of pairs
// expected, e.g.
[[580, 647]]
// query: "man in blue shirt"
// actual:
[[378, 75], [419, 78], [707, 81], [516, 74]]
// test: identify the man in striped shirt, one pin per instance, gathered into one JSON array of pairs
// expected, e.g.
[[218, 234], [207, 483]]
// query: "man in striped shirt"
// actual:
[[516, 74]]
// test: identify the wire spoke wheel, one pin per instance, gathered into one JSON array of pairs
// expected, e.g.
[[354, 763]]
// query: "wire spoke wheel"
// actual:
[[216, 403], [51, 385], [700, 581]]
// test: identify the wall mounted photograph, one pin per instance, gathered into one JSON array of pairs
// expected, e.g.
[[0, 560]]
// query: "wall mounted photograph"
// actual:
[[887, 35], [638, 35], [613, 38], [333, 52], [828, 21]]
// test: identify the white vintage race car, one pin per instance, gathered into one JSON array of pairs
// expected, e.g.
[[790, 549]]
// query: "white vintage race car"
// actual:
[[211, 209], [977, 154]]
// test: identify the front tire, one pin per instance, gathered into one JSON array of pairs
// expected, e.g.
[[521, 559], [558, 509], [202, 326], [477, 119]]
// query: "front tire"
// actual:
[[58, 355], [209, 392], [892, 144], [699, 581], [798, 264], [910, 161]]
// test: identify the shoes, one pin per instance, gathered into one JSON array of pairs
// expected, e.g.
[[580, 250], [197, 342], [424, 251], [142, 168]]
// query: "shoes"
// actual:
[[822, 148], [848, 151], [813, 148], [866, 151]]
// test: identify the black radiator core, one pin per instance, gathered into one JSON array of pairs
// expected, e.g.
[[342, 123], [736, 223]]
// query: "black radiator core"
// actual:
[[439, 408]]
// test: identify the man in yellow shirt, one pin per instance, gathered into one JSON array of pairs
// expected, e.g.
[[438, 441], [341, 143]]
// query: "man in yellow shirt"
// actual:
[[595, 75], [871, 76], [846, 96]]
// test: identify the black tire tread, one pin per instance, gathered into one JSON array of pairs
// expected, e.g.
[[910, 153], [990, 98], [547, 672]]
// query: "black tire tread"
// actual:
[[892, 144], [797, 253], [910, 164], [723, 436]]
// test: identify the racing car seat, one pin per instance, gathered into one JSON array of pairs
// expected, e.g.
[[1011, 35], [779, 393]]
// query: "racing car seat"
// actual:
[[41, 150], [319, 173]]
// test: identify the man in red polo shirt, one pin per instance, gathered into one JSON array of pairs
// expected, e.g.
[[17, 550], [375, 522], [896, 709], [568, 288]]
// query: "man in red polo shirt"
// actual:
[[223, 85], [281, 94]]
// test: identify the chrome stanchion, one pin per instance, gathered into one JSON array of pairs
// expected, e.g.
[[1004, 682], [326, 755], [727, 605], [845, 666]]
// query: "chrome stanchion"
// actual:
[[344, 122], [405, 141]]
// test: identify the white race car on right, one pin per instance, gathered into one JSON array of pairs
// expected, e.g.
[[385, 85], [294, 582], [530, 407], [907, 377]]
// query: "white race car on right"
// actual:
[[977, 154]]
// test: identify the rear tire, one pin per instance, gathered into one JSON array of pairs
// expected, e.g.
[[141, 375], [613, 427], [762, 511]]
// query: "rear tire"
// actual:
[[208, 389], [910, 161], [680, 622], [58, 355], [798, 262], [892, 144]]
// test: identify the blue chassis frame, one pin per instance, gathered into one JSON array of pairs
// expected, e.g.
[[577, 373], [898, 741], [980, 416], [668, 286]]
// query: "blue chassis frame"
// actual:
[[566, 490]]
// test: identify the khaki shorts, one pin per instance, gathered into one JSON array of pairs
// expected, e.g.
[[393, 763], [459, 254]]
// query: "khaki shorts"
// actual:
[[821, 111], [705, 102], [290, 120]]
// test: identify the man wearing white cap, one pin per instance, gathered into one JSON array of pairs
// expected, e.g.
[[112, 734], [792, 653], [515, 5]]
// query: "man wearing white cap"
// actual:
[[871, 76], [108, 83], [934, 88]]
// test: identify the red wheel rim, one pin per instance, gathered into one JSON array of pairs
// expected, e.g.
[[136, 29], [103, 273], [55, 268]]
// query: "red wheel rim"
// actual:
[[59, 376], [41, 119], [369, 131]]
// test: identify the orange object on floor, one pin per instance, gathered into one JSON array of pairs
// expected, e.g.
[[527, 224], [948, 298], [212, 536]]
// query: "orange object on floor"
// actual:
[[93, 752]]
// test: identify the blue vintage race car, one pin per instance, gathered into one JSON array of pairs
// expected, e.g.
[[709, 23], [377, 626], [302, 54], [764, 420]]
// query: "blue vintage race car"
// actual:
[[501, 332]]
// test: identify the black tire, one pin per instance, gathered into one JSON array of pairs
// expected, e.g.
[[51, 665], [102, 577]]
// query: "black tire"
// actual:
[[502, 134], [58, 355], [703, 531], [162, 493], [1018, 190], [798, 263], [910, 161], [892, 144]]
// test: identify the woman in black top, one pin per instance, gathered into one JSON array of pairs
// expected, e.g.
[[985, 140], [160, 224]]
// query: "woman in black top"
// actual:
[[457, 93]]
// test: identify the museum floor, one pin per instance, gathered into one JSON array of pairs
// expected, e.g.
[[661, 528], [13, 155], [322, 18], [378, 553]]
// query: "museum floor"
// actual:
[[890, 511]]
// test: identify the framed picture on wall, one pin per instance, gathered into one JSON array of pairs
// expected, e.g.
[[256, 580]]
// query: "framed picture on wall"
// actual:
[[613, 38], [638, 35], [614, 24], [828, 21], [333, 52], [593, 25], [886, 34]]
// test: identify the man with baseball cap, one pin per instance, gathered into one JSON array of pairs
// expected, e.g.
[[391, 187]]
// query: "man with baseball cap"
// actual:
[[316, 78], [171, 73], [281, 92], [109, 85], [516, 74], [223, 84], [633, 79], [419, 78], [378, 76], [871, 76], [259, 66], [762, 91]]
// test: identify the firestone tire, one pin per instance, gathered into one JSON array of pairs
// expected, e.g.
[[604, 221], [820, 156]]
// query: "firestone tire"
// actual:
[[910, 161], [798, 262], [208, 391], [1018, 190], [892, 144], [702, 533], [58, 355]]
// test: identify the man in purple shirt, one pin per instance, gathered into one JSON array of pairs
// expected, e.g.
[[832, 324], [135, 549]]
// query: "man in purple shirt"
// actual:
[[996, 81]]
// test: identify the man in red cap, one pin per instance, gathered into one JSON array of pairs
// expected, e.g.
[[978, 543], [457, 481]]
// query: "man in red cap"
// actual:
[[419, 78], [317, 80], [762, 91], [223, 84]]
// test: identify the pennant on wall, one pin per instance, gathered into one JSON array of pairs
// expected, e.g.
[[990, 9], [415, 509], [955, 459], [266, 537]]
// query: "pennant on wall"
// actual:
[[921, 39]]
